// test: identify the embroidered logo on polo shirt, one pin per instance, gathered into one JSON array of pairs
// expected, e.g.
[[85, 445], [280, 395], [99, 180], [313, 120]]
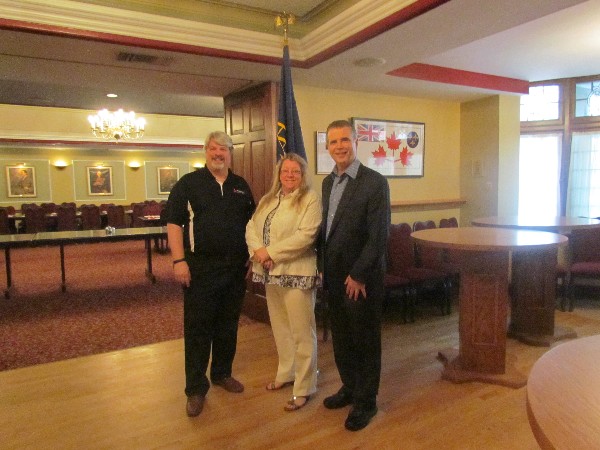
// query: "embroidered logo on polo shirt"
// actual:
[[238, 191]]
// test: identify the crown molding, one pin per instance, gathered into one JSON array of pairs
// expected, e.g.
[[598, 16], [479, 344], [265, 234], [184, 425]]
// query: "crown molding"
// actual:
[[74, 15]]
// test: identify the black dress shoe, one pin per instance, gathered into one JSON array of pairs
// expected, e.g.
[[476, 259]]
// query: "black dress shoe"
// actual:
[[230, 384], [359, 418], [194, 406], [338, 400]]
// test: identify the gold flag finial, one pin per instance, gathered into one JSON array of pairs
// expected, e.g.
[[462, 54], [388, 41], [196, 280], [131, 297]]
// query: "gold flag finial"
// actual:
[[285, 20]]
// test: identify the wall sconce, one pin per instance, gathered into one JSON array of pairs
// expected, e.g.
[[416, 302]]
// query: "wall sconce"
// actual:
[[60, 163], [135, 165], [198, 165]]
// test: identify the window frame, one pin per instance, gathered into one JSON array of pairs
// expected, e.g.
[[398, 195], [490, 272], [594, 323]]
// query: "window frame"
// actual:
[[567, 124]]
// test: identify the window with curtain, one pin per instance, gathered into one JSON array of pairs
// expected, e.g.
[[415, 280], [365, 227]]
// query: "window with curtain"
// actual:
[[583, 194], [539, 175], [559, 167]]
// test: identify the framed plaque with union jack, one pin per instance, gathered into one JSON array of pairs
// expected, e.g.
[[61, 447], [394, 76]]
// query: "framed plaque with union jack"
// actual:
[[392, 148]]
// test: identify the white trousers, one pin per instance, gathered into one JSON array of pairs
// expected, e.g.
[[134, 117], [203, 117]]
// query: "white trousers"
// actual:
[[292, 314]]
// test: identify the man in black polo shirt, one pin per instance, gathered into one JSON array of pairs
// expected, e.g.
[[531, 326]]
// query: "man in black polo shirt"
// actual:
[[207, 213]]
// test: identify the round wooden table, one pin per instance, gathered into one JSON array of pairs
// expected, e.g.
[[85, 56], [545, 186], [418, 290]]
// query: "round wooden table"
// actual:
[[554, 224], [483, 256], [533, 287], [563, 396]]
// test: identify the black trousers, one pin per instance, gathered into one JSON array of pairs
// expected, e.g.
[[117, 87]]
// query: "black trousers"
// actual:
[[211, 311], [356, 337]]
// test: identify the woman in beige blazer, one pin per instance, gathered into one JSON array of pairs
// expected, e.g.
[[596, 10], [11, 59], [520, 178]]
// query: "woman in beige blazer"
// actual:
[[281, 242]]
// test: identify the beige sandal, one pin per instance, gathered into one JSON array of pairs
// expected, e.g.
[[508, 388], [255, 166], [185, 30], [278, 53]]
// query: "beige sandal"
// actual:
[[291, 405], [275, 386]]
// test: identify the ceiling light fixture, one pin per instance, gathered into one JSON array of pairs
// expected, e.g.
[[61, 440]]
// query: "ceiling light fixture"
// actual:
[[117, 125]]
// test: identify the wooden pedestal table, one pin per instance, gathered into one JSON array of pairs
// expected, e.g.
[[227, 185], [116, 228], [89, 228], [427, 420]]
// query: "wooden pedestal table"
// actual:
[[563, 396], [533, 291], [483, 256]]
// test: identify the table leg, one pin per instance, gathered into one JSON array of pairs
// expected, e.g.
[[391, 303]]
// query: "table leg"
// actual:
[[149, 273], [534, 299], [8, 272], [483, 312], [62, 269]]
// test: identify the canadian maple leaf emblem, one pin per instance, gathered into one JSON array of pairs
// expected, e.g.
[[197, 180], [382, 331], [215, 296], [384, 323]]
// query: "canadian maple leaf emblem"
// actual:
[[405, 156], [393, 142], [379, 155]]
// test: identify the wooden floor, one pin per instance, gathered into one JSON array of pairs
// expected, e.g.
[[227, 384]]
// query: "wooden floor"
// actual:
[[133, 399]]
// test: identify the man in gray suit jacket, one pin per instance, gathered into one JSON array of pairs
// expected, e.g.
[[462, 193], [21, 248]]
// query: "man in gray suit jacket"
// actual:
[[352, 254]]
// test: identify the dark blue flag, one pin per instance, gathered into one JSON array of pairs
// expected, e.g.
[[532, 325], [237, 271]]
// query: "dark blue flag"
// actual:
[[289, 133]]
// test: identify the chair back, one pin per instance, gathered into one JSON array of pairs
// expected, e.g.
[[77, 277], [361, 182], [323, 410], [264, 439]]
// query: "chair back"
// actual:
[[429, 257], [137, 211], [104, 207], [115, 216], [449, 223], [66, 218], [25, 206], [35, 220], [152, 209], [401, 251], [585, 245], [49, 207], [90, 217], [71, 204], [423, 225], [4, 222]]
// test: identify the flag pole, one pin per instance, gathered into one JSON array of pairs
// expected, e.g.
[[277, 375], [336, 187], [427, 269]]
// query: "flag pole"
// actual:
[[289, 133]]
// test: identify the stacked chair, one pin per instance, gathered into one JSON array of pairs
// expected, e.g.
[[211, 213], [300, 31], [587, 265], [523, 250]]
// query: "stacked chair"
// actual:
[[402, 263], [584, 262]]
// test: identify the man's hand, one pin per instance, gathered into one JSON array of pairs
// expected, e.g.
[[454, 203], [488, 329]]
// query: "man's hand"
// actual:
[[182, 273], [354, 288]]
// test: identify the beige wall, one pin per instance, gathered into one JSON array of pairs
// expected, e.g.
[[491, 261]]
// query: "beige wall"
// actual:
[[69, 183], [489, 175], [471, 150], [318, 107]]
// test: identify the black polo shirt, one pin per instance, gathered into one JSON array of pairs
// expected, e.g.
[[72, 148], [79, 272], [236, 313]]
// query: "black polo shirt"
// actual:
[[214, 221]]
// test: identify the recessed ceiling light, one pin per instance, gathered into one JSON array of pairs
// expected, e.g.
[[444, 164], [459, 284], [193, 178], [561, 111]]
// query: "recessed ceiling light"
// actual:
[[369, 62], [112, 95]]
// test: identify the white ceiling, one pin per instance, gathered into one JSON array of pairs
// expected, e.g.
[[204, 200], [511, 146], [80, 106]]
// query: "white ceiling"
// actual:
[[529, 40]]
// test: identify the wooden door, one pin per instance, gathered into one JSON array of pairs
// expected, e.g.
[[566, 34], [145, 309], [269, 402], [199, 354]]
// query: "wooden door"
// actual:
[[250, 120]]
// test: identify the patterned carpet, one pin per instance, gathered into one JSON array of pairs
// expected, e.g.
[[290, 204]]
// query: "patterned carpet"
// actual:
[[109, 304]]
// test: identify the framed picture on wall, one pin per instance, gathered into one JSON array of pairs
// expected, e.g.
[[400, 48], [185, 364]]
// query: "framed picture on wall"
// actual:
[[20, 181], [324, 161], [167, 177], [394, 149], [100, 181]]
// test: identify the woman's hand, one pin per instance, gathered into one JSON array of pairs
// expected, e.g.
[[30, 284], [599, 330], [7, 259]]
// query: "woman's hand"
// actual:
[[261, 255]]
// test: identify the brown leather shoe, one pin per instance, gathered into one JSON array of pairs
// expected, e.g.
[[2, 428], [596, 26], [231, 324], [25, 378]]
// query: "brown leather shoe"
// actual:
[[230, 384], [194, 406]]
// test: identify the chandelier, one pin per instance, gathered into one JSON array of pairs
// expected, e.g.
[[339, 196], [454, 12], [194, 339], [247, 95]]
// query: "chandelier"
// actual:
[[117, 125]]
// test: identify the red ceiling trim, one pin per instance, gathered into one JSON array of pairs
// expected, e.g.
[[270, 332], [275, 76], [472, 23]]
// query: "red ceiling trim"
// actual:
[[412, 11], [399, 17], [461, 77]]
